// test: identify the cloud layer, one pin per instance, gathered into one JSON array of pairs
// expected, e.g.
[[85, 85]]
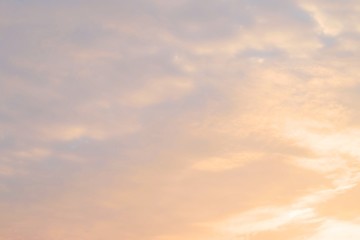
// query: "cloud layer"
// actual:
[[172, 120]]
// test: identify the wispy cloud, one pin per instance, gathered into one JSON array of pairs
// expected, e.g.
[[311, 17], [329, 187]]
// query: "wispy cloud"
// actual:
[[181, 119]]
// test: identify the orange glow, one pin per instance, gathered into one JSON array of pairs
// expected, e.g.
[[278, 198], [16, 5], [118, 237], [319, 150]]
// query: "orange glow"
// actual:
[[174, 120]]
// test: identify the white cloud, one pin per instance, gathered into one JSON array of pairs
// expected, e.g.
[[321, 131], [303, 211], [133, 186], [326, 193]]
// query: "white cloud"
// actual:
[[333, 229], [263, 219]]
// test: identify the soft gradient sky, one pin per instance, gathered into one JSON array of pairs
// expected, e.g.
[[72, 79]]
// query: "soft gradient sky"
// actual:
[[179, 119]]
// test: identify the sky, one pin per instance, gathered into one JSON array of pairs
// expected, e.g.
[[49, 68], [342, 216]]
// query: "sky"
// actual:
[[179, 120]]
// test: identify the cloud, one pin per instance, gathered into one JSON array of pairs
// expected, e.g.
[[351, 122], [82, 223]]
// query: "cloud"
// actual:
[[333, 19], [156, 92], [225, 163], [266, 219], [178, 119], [334, 229]]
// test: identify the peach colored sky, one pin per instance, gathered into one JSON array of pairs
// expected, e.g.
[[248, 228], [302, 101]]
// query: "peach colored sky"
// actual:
[[179, 120]]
